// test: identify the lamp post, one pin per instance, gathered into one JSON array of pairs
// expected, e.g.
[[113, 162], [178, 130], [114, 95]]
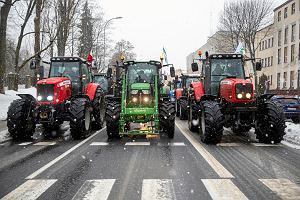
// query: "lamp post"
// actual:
[[104, 45]]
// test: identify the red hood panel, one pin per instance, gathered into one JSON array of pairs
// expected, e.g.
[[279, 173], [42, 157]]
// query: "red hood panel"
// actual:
[[53, 80]]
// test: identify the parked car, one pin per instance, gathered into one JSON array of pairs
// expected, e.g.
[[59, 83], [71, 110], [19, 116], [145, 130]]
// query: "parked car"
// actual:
[[291, 105]]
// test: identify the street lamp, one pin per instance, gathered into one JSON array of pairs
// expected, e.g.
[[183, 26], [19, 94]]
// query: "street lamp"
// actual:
[[106, 23]]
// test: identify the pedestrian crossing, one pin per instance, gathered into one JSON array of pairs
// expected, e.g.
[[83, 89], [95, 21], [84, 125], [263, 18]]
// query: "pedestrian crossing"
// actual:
[[153, 189]]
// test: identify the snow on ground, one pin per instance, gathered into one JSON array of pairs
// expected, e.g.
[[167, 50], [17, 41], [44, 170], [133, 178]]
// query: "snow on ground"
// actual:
[[9, 96], [292, 137]]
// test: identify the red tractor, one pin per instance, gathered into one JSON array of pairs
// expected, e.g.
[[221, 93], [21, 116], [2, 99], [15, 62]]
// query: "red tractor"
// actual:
[[225, 98], [181, 94], [67, 95]]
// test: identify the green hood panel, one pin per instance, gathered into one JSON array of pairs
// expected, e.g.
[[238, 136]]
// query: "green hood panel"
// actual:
[[140, 86]]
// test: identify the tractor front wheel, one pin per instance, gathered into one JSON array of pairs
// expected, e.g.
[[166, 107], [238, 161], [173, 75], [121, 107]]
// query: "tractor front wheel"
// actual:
[[211, 122], [98, 110], [80, 123], [112, 117], [167, 118], [20, 120], [270, 122], [183, 109], [193, 110]]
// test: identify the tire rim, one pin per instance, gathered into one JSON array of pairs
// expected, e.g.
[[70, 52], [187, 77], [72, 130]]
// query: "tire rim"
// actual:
[[202, 122], [87, 119]]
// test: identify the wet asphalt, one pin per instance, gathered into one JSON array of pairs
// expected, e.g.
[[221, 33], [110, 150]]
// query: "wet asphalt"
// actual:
[[163, 159]]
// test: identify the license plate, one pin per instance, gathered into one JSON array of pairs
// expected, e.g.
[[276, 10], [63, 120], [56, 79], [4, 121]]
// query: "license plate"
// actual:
[[291, 108]]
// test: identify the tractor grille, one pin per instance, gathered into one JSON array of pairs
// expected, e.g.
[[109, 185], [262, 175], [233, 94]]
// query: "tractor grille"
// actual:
[[45, 90], [244, 89]]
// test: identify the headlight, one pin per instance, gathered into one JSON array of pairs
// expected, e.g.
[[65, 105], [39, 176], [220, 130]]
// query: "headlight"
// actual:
[[239, 96], [248, 96], [146, 99], [39, 98], [50, 98], [134, 99]]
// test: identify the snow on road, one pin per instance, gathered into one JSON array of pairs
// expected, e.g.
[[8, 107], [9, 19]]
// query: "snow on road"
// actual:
[[9, 96], [292, 137]]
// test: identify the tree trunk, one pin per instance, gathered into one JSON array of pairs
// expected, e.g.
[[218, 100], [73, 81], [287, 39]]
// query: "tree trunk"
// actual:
[[37, 41], [3, 26]]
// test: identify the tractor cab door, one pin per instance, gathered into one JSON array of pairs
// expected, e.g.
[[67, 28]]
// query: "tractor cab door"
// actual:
[[207, 77], [86, 77]]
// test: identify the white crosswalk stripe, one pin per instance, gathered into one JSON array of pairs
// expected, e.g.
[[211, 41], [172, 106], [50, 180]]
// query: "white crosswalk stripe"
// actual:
[[30, 190], [284, 188], [229, 144], [265, 145], [99, 144], [95, 189], [45, 143], [137, 143], [221, 189], [158, 189], [25, 143]]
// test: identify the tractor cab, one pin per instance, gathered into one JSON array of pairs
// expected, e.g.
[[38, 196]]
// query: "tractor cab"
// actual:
[[101, 79], [76, 69]]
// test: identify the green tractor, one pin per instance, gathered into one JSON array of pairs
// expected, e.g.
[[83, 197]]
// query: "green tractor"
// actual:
[[139, 105]]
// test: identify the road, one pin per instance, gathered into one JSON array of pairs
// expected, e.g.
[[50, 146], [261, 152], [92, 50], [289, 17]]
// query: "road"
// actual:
[[136, 168]]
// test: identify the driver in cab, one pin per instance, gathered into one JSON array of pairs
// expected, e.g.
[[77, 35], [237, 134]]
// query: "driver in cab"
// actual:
[[73, 74], [142, 78]]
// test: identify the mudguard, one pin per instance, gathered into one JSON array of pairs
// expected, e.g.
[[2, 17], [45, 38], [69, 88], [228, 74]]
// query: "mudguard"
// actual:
[[198, 90], [91, 90], [28, 97]]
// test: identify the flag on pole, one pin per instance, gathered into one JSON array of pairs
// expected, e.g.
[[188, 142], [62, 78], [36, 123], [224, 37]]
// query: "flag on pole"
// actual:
[[240, 49], [165, 55]]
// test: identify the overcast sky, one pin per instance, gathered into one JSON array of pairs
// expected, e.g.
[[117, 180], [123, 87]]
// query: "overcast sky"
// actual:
[[180, 26]]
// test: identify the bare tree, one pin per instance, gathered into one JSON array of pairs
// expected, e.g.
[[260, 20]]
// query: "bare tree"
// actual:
[[5, 9], [243, 20]]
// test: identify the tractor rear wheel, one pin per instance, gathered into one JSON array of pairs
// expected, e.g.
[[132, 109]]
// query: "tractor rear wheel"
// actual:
[[270, 122], [177, 108], [112, 117], [98, 110], [211, 122], [80, 123], [183, 109], [20, 120], [193, 110], [167, 118]]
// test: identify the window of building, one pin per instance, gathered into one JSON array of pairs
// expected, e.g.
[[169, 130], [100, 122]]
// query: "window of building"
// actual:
[[293, 32], [271, 60], [260, 46], [292, 79], [279, 56], [293, 53], [293, 8], [271, 79], [262, 62], [263, 45], [279, 38], [284, 79], [279, 16], [286, 32], [272, 43], [285, 12], [266, 44], [285, 55], [278, 80]]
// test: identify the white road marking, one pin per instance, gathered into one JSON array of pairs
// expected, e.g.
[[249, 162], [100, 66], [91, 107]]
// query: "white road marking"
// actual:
[[45, 167], [176, 144], [30, 190], [25, 143], [218, 167], [229, 144], [265, 145], [221, 189], [137, 143], [284, 188], [95, 189], [45, 144], [158, 189], [99, 144]]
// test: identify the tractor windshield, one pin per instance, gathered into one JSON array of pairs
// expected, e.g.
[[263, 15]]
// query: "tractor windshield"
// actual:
[[222, 68], [102, 81], [191, 80], [66, 69], [141, 73]]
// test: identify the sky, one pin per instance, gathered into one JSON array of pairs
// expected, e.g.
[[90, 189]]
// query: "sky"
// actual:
[[179, 26]]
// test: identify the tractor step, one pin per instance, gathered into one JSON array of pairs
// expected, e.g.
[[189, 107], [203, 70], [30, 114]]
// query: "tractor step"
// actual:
[[156, 136]]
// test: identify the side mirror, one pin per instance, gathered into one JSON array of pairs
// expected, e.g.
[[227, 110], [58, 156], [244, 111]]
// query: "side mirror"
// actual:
[[109, 72], [195, 67], [172, 71], [33, 64], [94, 65], [165, 77], [176, 78], [258, 66]]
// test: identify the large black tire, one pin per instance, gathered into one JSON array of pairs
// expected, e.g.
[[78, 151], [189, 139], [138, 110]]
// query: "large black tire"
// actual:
[[193, 113], [183, 109], [177, 108], [80, 122], [270, 122], [20, 120], [98, 110], [167, 118], [211, 122], [112, 117]]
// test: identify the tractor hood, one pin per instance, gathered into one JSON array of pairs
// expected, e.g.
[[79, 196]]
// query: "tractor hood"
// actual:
[[140, 86], [53, 81]]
